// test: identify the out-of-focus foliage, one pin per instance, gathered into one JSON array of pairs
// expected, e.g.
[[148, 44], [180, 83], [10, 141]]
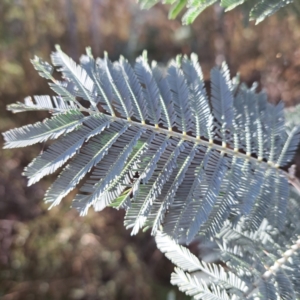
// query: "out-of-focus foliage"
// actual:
[[268, 53], [64, 258], [50, 242], [256, 9], [292, 115]]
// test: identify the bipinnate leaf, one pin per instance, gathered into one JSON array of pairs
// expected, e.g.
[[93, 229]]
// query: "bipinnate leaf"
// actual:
[[154, 142]]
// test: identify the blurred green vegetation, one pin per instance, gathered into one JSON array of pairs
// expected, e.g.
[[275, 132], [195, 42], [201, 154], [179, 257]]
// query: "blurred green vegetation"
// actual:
[[56, 254]]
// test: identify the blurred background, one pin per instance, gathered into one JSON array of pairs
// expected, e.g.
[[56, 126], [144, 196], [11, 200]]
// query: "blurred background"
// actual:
[[57, 254]]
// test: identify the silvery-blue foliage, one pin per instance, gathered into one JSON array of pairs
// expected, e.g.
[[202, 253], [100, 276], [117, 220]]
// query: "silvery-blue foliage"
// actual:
[[186, 164], [152, 141], [249, 264]]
